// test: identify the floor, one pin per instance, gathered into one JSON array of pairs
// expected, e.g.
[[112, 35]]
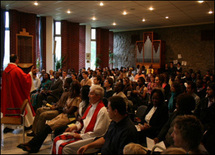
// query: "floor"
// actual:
[[12, 139]]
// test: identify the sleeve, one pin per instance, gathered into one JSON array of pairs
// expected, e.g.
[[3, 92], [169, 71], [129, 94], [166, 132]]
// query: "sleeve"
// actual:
[[101, 125]]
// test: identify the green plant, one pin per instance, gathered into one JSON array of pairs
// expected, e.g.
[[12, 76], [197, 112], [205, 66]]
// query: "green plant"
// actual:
[[98, 61], [111, 57], [38, 63], [59, 63]]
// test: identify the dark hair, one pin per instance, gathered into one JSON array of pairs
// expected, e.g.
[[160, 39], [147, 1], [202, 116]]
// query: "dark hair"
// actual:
[[117, 102], [75, 89], [84, 96], [212, 86], [68, 80], [177, 87], [190, 128], [13, 58], [75, 75], [99, 78], [142, 80], [186, 103], [85, 72], [44, 79], [110, 81], [160, 94], [192, 84]]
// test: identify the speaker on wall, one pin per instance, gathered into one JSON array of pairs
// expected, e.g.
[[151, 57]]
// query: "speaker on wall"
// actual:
[[207, 35], [135, 38]]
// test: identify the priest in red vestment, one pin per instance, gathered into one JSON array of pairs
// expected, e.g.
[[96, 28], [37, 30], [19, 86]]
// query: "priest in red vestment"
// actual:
[[16, 87]]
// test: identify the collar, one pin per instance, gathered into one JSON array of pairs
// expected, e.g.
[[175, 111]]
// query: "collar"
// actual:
[[11, 63]]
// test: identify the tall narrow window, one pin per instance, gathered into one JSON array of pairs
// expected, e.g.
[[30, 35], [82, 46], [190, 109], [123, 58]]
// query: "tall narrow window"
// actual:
[[57, 38], [7, 41], [93, 49]]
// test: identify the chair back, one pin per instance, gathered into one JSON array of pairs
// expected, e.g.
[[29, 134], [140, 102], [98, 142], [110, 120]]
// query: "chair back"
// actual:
[[141, 110], [24, 104]]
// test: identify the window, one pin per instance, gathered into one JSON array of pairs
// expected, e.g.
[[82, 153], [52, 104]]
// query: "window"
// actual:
[[93, 49], [57, 38], [7, 41]]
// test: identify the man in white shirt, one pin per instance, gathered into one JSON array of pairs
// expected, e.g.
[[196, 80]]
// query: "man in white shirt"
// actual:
[[94, 123]]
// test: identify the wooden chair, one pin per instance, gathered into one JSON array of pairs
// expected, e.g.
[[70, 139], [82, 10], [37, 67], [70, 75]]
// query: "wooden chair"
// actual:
[[16, 121]]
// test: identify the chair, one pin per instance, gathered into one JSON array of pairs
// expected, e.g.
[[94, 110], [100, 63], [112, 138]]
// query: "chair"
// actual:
[[16, 121], [140, 111]]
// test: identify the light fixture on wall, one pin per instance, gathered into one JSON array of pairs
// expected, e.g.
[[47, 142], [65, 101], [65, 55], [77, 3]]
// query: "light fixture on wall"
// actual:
[[151, 8], [167, 17], [200, 1], [143, 20], [210, 12], [124, 13], [93, 18], [68, 11], [101, 4], [114, 24], [35, 3]]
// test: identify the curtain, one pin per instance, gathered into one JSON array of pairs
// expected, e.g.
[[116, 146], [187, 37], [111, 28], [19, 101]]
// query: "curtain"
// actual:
[[2, 38]]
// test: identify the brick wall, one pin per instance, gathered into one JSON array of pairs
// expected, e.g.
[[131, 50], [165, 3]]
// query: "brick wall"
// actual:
[[19, 20], [102, 46], [82, 32], [70, 45]]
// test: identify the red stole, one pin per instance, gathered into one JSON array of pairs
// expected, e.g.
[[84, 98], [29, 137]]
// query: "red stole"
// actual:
[[92, 122]]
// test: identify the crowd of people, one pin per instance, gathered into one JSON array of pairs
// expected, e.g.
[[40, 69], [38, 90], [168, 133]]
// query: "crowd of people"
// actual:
[[95, 110]]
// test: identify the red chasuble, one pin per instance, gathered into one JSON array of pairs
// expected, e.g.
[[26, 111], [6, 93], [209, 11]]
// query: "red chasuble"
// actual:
[[16, 86]]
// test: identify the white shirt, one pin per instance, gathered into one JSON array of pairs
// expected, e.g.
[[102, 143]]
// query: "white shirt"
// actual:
[[101, 125], [36, 82], [150, 114]]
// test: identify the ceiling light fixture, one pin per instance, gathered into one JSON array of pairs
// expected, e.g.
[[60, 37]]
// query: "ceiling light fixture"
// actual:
[[68, 11], [124, 13], [210, 12], [94, 18], [167, 17], [35, 3], [200, 1], [143, 20], [114, 23], [101, 4], [151, 8]]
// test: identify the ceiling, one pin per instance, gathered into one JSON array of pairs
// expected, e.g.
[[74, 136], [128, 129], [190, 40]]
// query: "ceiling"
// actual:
[[180, 13]]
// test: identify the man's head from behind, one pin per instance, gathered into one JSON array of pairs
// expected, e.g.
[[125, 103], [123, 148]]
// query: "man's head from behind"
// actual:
[[14, 58]]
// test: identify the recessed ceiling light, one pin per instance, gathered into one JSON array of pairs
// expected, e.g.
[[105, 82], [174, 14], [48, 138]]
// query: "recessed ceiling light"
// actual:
[[35, 3], [124, 13], [167, 17], [210, 12], [151, 8], [68, 11], [101, 3], [200, 1], [114, 23], [94, 18], [143, 20]]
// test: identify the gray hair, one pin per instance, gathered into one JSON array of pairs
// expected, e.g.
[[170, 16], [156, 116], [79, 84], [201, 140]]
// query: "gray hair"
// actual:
[[98, 90]]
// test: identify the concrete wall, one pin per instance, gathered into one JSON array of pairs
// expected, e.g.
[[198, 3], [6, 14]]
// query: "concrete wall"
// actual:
[[186, 41]]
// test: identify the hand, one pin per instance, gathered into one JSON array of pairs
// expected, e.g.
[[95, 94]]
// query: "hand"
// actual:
[[32, 68], [77, 136], [156, 140], [70, 129], [53, 107], [82, 149], [146, 126]]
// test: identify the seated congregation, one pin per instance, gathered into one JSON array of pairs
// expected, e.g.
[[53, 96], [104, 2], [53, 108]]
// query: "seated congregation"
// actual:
[[96, 111]]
